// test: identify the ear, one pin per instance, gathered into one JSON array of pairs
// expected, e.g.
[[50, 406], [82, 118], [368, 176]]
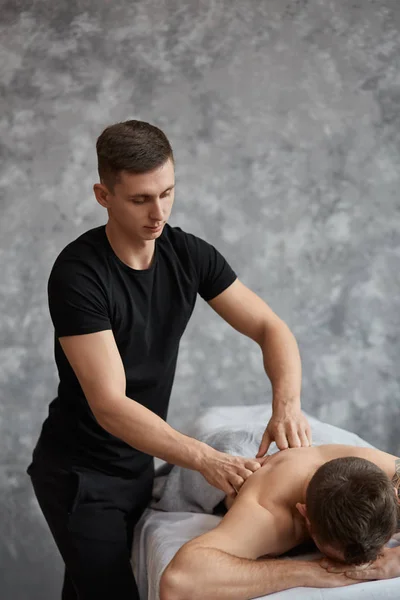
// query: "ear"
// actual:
[[102, 194], [302, 510]]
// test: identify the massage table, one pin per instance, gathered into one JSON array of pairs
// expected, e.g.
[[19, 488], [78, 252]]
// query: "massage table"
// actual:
[[183, 504]]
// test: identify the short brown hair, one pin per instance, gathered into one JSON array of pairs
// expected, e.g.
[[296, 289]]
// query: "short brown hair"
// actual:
[[352, 506], [132, 146]]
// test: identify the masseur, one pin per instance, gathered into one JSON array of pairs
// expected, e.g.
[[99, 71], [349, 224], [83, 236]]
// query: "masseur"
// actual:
[[120, 297]]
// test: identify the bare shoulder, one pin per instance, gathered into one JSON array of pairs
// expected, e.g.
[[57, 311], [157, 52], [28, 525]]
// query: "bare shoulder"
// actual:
[[387, 462], [281, 479], [307, 458], [250, 530]]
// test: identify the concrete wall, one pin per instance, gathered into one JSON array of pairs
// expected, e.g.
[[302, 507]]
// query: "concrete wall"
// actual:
[[284, 117]]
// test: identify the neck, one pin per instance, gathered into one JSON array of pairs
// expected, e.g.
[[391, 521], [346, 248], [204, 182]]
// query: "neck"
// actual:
[[137, 254]]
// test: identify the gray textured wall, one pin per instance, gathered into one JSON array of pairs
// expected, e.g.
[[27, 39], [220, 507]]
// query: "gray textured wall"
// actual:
[[284, 116]]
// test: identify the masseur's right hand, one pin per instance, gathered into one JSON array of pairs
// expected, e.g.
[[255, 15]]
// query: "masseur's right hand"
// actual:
[[226, 472]]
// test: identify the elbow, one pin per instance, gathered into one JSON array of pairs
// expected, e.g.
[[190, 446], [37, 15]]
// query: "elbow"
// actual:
[[177, 583], [108, 412], [267, 329]]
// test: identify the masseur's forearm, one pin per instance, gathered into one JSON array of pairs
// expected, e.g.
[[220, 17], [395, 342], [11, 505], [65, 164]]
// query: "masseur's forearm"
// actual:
[[201, 573], [282, 364], [146, 431]]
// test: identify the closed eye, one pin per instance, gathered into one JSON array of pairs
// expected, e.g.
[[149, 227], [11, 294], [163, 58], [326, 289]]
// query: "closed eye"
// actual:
[[143, 199]]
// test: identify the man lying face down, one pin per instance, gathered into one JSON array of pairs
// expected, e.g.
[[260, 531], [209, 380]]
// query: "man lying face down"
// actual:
[[344, 498]]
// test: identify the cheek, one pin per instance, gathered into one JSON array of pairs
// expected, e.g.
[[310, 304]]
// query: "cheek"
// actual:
[[167, 206], [131, 215]]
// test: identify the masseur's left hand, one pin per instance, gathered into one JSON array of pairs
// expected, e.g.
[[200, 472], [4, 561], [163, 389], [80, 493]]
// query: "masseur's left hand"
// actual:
[[288, 428], [385, 567]]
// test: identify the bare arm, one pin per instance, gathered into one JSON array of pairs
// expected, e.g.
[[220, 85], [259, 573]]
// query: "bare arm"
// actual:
[[98, 366], [222, 564], [250, 315], [241, 579], [386, 566]]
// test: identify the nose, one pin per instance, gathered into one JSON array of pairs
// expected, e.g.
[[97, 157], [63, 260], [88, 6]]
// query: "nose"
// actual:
[[156, 213]]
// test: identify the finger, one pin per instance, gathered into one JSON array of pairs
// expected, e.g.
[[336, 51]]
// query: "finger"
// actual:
[[228, 489], [303, 438], [366, 574], [363, 567], [252, 465], [327, 563], [280, 440], [265, 444], [309, 434], [338, 568], [232, 494], [236, 482], [293, 439], [245, 473]]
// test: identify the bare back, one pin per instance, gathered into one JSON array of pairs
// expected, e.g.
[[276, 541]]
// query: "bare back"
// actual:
[[284, 476], [263, 519]]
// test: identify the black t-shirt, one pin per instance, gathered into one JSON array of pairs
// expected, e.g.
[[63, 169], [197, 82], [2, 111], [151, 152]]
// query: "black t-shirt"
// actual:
[[90, 289]]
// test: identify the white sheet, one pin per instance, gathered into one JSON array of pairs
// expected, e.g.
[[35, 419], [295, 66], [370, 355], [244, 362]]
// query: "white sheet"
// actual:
[[159, 535]]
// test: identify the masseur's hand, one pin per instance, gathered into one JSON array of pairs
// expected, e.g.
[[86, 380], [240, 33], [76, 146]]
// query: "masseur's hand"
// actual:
[[288, 428], [385, 567], [227, 472]]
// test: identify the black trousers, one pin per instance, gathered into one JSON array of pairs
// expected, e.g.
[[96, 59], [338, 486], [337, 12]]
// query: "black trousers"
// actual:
[[92, 516]]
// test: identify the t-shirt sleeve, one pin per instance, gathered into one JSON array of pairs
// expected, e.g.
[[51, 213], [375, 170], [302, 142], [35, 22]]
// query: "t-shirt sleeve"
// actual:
[[77, 299], [214, 272]]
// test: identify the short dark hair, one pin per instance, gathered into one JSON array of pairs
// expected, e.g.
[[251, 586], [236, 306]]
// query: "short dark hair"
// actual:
[[352, 506], [132, 146]]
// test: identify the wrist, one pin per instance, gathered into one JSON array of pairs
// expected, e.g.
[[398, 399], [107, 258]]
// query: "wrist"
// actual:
[[286, 403], [202, 456], [306, 573]]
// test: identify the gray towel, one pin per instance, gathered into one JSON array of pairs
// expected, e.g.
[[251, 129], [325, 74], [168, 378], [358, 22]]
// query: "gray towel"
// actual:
[[236, 430]]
